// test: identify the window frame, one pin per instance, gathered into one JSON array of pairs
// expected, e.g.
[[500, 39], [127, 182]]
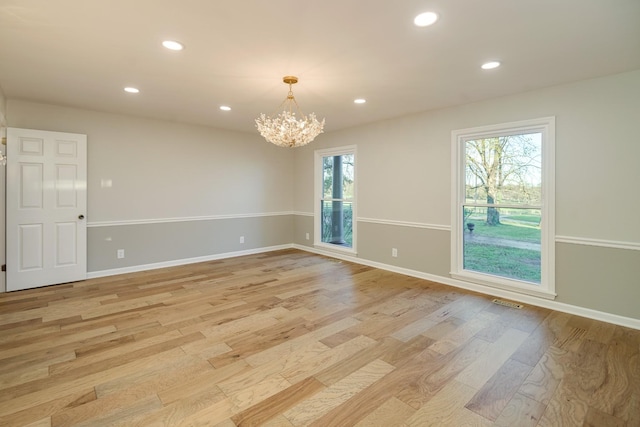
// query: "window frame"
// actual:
[[459, 138], [319, 197]]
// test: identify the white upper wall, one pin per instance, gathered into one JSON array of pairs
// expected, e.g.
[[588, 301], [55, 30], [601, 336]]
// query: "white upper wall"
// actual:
[[404, 166], [161, 170]]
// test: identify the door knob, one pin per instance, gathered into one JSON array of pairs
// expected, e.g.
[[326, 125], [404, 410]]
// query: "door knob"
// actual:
[[80, 216]]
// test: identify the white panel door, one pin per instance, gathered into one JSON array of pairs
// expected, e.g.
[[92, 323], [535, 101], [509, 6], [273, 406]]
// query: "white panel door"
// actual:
[[46, 208]]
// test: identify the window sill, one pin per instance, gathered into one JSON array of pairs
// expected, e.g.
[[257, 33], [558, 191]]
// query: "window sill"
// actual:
[[335, 248], [505, 284]]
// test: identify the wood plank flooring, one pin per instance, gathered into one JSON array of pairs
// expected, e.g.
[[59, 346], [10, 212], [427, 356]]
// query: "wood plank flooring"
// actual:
[[289, 338]]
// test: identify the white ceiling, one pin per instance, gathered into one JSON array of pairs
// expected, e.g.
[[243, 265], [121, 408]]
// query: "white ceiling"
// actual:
[[82, 53]]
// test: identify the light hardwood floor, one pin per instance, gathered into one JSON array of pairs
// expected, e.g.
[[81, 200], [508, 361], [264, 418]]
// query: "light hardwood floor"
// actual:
[[289, 338]]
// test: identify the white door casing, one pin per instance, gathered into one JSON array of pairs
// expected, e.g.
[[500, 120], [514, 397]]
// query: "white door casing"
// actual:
[[46, 208]]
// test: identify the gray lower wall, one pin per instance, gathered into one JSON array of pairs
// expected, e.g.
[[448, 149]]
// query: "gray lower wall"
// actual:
[[420, 249], [172, 241], [303, 224], [599, 278]]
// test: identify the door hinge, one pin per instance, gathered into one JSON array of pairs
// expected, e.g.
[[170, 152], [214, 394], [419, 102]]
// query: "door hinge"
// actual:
[[4, 267]]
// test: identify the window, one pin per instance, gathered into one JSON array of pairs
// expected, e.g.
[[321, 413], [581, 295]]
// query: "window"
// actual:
[[503, 206], [335, 210]]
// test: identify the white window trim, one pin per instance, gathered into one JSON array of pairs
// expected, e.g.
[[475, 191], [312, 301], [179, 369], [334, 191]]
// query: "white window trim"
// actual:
[[319, 154], [546, 126]]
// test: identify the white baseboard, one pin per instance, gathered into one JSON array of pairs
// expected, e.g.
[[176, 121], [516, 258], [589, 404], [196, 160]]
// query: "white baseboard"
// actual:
[[184, 261], [487, 290]]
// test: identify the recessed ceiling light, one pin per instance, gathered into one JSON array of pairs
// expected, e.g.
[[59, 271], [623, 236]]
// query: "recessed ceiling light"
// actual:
[[425, 19], [172, 45], [131, 89], [490, 65], [225, 108], [359, 101]]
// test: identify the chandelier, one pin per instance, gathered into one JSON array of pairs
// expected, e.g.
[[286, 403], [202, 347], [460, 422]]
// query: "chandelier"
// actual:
[[285, 130]]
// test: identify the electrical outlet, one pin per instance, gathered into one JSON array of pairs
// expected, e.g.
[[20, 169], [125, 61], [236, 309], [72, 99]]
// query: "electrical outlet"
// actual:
[[241, 239], [394, 252], [120, 253], [307, 236]]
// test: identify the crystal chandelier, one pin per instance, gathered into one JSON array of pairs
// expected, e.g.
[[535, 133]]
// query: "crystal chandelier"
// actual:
[[285, 130]]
